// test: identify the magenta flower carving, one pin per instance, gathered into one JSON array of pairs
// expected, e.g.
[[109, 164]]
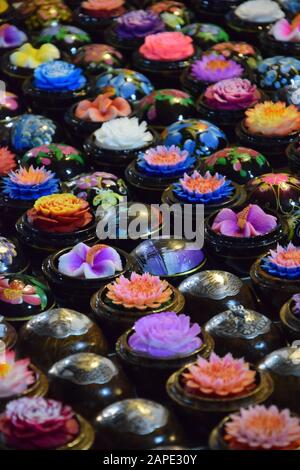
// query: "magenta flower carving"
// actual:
[[213, 68], [250, 222], [90, 262], [165, 335]]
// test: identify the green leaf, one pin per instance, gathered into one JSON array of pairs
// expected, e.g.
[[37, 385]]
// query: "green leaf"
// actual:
[[222, 161], [76, 157]]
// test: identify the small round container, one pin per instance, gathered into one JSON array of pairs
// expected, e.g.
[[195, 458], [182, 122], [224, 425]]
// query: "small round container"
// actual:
[[65, 161], [214, 10], [237, 253], [93, 24], [275, 73], [202, 413], [242, 30], [115, 320], [136, 424], [272, 291], [13, 259], [22, 298], [32, 130], [245, 333], [172, 260], [73, 292], [150, 374], [52, 103], [289, 321], [66, 37], [40, 244], [163, 107], [161, 73], [272, 147], [239, 164], [11, 107], [98, 58], [112, 161], [205, 35], [270, 46], [58, 333], [211, 292], [284, 367], [88, 382]]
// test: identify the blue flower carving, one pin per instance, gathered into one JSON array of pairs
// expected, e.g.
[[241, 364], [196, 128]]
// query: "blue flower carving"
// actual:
[[58, 75]]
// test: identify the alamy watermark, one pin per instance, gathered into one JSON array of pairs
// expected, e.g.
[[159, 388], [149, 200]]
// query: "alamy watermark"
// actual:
[[156, 221]]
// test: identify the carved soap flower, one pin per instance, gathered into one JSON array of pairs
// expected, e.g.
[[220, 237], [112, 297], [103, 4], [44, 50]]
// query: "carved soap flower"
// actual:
[[103, 8], [250, 222], [231, 94], [296, 305], [103, 108], [29, 57], [7, 161], [29, 183], [87, 262], [37, 423], [140, 291], [283, 30], [60, 213], [213, 68], [219, 377], [284, 262], [123, 134], [168, 46], [15, 292], [196, 188], [15, 375], [165, 335], [262, 428], [11, 36], [139, 24], [165, 161], [273, 119], [259, 11], [59, 76], [229, 48]]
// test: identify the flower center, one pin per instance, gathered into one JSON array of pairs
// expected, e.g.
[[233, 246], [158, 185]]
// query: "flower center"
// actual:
[[217, 65], [12, 294], [93, 252], [170, 158], [266, 424], [243, 217], [289, 256], [4, 370], [202, 185]]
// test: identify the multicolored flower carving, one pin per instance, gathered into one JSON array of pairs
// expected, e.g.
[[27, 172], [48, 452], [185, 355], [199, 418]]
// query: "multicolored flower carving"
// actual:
[[29, 184], [273, 119], [165, 161], [139, 292], [196, 188], [7, 161], [213, 68], [86, 262], [104, 108], [15, 375], [284, 262], [16, 292], [252, 221], [219, 377], [262, 428]]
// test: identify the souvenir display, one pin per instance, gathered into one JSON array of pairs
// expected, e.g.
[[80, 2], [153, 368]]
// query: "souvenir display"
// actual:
[[149, 227]]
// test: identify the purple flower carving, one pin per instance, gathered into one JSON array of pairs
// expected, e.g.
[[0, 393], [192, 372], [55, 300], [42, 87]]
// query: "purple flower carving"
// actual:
[[90, 262], [139, 24], [165, 335], [213, 68], [250, 222]]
